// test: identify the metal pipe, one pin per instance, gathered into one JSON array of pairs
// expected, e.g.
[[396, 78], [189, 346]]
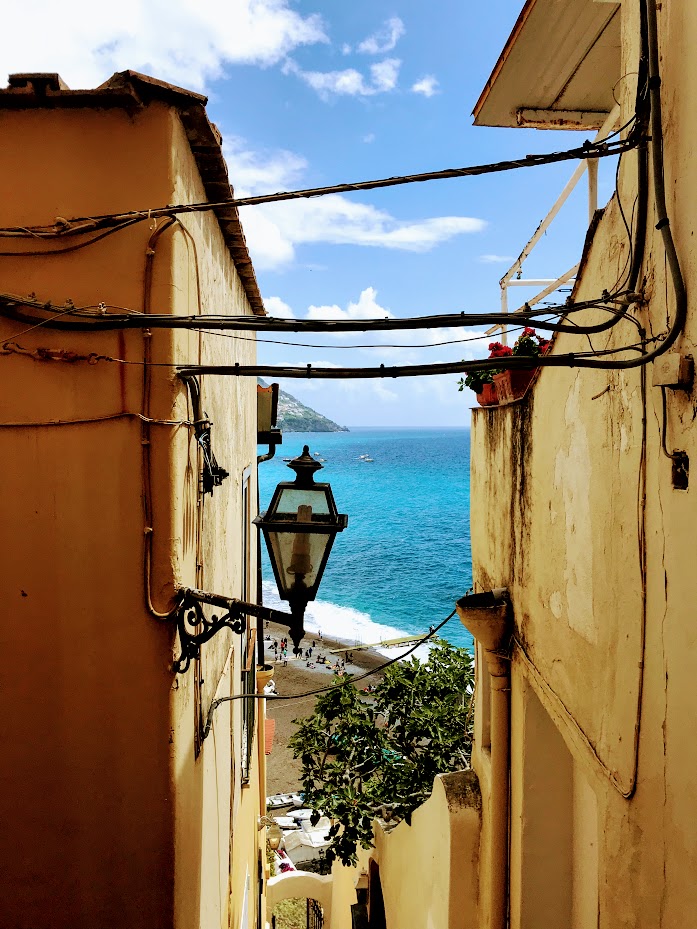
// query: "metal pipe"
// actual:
[[487, 617], [499, 673]]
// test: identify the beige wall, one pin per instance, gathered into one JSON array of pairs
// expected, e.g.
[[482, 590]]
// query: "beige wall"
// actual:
[[558, 517], [108, 816], [429, 869]]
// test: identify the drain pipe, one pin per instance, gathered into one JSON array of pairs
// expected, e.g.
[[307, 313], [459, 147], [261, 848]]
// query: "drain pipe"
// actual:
[[486, 616]]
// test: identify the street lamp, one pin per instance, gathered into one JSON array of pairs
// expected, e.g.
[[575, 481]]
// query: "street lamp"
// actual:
[[299, 528]]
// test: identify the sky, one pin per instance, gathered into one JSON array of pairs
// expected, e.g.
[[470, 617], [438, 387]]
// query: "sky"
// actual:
[[317, 93]]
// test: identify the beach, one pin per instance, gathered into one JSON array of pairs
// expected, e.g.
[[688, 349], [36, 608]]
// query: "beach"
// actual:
[[282, 770]]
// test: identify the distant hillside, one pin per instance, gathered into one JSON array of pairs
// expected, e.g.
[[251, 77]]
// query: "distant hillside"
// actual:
[[294, 416]]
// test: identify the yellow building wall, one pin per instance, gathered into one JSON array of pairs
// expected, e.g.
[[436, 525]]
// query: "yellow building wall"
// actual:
[[429, 870], [562, 516], [109, 818]]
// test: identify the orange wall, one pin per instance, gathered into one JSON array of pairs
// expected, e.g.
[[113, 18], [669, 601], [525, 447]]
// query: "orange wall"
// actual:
[[103, 804]]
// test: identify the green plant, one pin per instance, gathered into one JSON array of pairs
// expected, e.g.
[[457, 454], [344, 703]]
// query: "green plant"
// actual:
[[530, 344], [527, 344], [291, 914], [377, 755]]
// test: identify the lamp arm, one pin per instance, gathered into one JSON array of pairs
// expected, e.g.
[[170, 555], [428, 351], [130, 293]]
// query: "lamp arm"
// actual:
[[195, 627]]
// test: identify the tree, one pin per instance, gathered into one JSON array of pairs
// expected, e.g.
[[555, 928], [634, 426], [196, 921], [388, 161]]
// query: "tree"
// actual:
[[366, 755]]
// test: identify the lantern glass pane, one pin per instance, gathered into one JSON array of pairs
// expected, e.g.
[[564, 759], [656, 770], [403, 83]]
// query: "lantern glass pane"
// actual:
[[293, 497], [298, 555]]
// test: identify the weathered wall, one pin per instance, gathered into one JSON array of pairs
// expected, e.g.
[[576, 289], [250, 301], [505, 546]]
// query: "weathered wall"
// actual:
[[108, 816], [559, 516], [429, 870]]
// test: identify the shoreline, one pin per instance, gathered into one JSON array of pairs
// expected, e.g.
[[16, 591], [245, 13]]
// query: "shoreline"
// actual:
[[282, 770]]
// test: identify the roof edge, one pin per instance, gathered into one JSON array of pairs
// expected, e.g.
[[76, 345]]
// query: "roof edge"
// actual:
[[501, 60], [133, 90]]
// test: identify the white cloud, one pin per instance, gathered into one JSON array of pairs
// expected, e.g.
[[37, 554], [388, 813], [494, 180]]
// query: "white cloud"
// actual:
[[262, 173], [367, 307], [385, 39], [346, 49], [277, 308], [398, 346], [274, 230], [494, 259], [349, 82], [427, 86], [369, 137], [384, 74], [175, 40]]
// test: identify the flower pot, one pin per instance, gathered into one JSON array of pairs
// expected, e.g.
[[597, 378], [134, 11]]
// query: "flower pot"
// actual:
[[488, 396], [511, 385]]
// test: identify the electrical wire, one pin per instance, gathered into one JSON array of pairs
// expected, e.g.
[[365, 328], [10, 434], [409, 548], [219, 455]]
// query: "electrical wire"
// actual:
[[97, 419], [673, 456], [10, 303], [378, 345], [46, 253], [107, 220], [323, 690], [649, 31]]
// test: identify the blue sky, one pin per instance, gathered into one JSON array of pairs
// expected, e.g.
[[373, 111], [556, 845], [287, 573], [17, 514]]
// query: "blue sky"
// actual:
[[311, 94]]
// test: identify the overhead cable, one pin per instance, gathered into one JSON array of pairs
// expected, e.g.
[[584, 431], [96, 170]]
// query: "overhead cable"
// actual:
[[85, 224], [82, 320], [323, 690]]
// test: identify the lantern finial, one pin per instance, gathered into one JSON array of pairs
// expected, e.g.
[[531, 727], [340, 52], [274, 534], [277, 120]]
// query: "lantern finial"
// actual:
[[305, 466]]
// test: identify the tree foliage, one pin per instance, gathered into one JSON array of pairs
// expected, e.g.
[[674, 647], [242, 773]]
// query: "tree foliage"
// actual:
[[367, 755]]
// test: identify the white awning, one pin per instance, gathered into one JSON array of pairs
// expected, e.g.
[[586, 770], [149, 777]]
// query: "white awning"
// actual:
[[557, 69]]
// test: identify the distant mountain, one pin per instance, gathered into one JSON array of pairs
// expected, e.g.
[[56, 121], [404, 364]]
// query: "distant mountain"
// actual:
[[294, 416]]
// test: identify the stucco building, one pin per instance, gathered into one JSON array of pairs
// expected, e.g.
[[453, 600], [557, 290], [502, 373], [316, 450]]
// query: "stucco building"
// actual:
[[579, 812], [119, 806]]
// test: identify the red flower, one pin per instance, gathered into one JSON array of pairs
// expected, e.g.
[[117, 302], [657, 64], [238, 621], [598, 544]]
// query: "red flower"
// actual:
[[497, 350]]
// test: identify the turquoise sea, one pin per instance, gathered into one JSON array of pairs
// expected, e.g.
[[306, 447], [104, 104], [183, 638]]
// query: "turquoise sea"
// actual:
[[405, 557]]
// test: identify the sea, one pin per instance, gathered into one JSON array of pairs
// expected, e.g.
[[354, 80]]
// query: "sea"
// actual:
[[405, 557]]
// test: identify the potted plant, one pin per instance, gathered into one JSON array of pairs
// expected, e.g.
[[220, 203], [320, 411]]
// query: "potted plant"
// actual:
[[511, 384], [483, 382]]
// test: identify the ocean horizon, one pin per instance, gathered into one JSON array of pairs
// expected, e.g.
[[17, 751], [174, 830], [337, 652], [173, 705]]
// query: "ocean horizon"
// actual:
[[405, 557]]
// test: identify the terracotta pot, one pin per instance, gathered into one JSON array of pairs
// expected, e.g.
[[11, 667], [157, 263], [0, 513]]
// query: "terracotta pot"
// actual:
[[511, 385], [488, 396]]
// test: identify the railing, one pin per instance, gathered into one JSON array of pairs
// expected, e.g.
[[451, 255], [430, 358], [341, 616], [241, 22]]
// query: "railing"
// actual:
[[513, 277], [315, 914]]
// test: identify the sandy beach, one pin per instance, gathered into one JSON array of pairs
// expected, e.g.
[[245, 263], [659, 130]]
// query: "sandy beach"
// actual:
[[282, 771]]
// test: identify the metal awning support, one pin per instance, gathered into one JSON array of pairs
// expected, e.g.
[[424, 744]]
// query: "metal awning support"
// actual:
[[509, 279]]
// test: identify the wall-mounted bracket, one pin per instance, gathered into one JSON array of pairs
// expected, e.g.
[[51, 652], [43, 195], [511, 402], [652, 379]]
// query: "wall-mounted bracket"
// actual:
[[212, 474], [195, 628]]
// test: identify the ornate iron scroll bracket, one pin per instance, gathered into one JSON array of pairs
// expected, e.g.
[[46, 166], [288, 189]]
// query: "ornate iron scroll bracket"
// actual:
[[195, 628]]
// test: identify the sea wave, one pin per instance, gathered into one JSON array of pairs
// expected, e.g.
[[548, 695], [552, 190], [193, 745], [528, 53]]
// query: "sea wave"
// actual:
[[346, 624]]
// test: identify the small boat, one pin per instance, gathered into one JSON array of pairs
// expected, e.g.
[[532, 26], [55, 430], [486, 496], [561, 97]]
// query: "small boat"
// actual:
[[287, 459], [368, 458]]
